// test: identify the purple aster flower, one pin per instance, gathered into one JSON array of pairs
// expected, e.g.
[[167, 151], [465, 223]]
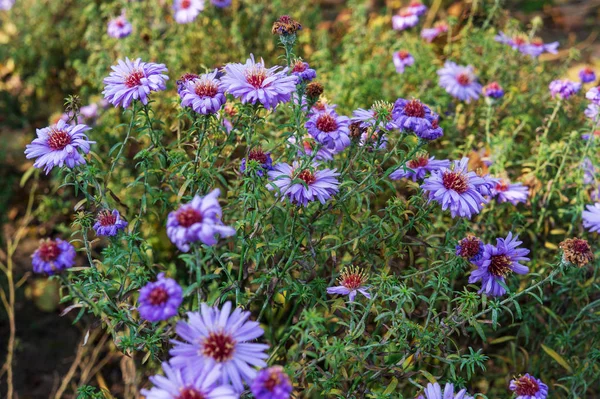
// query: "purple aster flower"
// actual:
[[501, 37], [459, 81], [434, 132], [486, 185], [187, 10], [418, 167], [593, 95], [497, 262], [587, 75], [189, 383], [370, 140], [379, 116], [221, 3], [108, 223], [303, 185], [160, 300], [303, 72], [434, 391], [564, 88], [53, 256], [186, 77], [528, 387], [352, 280], [589, 171], [308, 146], [6, 4], [219, 336], [505, 191], [134, 80], [456, 189], [261, 161], [205, 94], [59, 145], [412, 115], [330, 129], [320, 106], [402, 59], [537, 47], [198, 220], [417, 8], [119, 27], [592, 111], [594, 135], [430, 34], [272, 383], [253, 83], [406, 18], [493, 90], [89, 112], [470, 248], [591, 217]]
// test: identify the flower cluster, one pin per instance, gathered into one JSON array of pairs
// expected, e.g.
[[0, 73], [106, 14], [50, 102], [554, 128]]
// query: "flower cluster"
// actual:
[[408, 17], [532, 47]]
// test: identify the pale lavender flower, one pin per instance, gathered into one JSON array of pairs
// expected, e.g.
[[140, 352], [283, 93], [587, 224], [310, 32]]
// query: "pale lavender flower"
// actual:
[[431, 33], [587, 75], [459, 81], [220, 336], [593, 95], [378, 117], [253, 83], [89, 112], [198, 220], [589, 171], [592, 111], [119, 27], [6, 4], [402, 59], [352, 280], [418, 167], [53, 256], [514, 193], [591, 217], [134, 80], [59, 145], [109, 223], [329, 129], [434, 391], [406, 18], [272, 383], [186, 11], [537, 47], [528, 387], [160, 300], [205, 94], [303, 185], [564, 88]]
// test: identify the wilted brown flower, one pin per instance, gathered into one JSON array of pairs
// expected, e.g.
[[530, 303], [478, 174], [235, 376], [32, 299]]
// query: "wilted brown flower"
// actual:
[[576, 251], [285, 25], [314, 90]]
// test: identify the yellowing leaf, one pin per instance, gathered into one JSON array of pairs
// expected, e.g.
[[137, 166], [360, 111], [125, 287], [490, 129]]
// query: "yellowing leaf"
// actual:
[[392, 387], [550, 245], [559, 359]]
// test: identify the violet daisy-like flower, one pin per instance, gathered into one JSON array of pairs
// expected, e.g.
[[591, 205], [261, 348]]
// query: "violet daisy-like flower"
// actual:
[[402, 59], [505, 191], [119, 27], [186, 11], [470, 248], [378, 117], [308, 146], [261, 161], [493, 90], [537, 47], [528, 387], [587, 75], [205, 94], [160, 300], [592, 111], [330, 129], [418, 167], [134, 80], [89, 112], [53, 256], [59, 145], [303, 71], [253, 83], [459, 81], [591, 217], [564, 88], [434, 391], [431, 33], [186, 77], [6, 4], [223, 337], [189, 383], [497, 262], [418, 8], [272, 383], [221, 3], [108, 223], [412, 115], [303, 185], [406, 18], [352, 280], [320, 106], [486, 185], [198, 220], [434, 132], [456, 189], [593, 95]]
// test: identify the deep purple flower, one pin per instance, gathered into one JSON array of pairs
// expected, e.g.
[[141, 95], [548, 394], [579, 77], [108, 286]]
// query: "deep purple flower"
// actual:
[[497, 262], [272, 383], [261, 161], [59, 145], [303, 72], [53, 256], [537, 47], [303, 185], [528, 387], [493, 90], [219, 336], [417, 8], [221, 3], [591, 217], [514, 193], [134, 80], [434, 391], [564, 88], [456, 189], [108, 223], [412, 115], [198, 220], [459, 81], [119, 27], [594, 135], [330, 129], [592, 111], [434, 132], [308, 146], [6, 4], [431, 33], [402, 59], [205, 94], [352, 280], [587, 75], [593, 95], [418, 167], [253, 83], [470, 248], [189, 383], [406, 18], [187, 10], [160, 300]]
